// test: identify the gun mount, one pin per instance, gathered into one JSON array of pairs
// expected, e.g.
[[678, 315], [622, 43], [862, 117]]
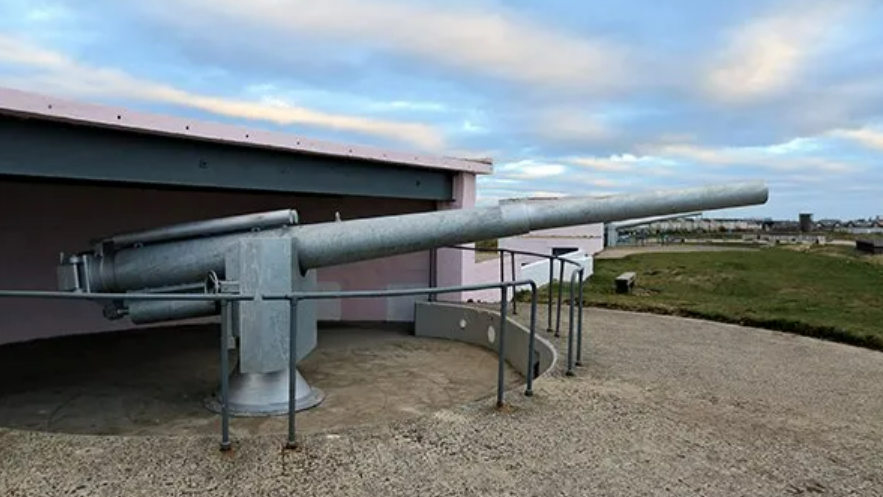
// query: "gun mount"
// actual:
[[271, 253]]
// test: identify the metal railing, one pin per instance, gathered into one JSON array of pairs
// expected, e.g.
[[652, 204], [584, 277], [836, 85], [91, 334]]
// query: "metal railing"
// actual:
[[294, 298], [579, 301]]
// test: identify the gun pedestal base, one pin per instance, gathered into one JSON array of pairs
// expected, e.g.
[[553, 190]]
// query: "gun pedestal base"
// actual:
[[265, 394]]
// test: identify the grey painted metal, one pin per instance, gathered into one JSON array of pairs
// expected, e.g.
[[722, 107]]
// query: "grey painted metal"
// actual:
[[560, 295], [146, 312], [433, 271], [611, 235], [561, 259], [282, 259], [514, 293], [292, 367], [262, 381], [211, 227], [224, 399], [97, 296], [653, 219], [334, 243], [502, 258], [329, 244], [570, 330], [501, 341], [185, 288], [266, 394], [612, 229], [57, 150], [404, 292], [550, 299], [513, 251], [579, 326], [531, 348], [264, 265]]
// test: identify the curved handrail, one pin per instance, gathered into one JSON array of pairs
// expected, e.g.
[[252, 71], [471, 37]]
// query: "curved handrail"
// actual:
[[562, 260], [551, 257], [218, 294]]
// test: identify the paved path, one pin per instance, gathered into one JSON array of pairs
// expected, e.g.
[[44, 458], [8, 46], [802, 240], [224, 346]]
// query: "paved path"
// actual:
[[664, 406], [620, 252]]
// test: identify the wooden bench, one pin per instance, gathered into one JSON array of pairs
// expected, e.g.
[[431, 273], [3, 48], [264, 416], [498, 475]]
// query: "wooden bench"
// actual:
[[625, 282]]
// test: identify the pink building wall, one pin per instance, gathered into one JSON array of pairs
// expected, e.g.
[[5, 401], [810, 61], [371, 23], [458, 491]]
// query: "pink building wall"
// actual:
[[488, 271], [454, 267], [40, 220], [587, 237]]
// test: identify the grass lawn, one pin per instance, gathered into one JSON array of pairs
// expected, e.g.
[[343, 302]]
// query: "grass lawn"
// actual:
[[830, 293]]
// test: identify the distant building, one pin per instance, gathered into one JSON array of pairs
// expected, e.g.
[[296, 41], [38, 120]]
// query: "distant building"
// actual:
[[703, 225], [806, 222]]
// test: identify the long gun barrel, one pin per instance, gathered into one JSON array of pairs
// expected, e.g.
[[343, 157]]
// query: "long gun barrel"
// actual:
[[328, 244], [335, 243], [650, 220]]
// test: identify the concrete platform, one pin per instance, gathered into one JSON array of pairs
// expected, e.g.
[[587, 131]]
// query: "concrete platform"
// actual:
[[664, 406], [153, 381]]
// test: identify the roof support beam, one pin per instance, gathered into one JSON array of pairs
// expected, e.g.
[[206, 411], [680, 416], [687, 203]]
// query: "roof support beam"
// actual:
[[59, 150]]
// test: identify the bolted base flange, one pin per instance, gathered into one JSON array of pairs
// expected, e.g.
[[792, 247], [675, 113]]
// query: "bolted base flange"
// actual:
[[265, 394]]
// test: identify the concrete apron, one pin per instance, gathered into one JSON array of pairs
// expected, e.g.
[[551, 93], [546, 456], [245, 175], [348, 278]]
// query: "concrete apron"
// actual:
[[154, 381]]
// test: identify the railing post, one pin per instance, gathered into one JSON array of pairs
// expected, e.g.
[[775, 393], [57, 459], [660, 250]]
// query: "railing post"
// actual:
[[570, 329], [226, 322], [501, 342], [560, 296], [579, 328], [551, 297], [514, 290], [433, 273], [292, 372], [530, 344]]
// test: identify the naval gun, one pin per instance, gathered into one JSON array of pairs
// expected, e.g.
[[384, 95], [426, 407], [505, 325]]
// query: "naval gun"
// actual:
[[271, 253]]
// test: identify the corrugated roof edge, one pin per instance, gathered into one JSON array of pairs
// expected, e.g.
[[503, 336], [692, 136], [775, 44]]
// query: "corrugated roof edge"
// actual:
[[40, 106]]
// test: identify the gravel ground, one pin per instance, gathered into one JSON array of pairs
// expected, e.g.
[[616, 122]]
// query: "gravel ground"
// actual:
[[663, 406]]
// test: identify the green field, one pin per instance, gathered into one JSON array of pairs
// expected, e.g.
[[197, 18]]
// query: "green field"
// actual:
[[825, 292]]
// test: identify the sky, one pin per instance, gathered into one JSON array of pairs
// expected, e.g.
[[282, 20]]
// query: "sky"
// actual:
[[568, 97]]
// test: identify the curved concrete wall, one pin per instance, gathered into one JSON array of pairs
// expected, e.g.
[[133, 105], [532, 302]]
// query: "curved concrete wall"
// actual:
[[481, 327]]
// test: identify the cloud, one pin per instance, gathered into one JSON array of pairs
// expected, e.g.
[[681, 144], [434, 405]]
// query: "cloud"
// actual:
[[412, 106], [617, 163], [790, 156], [627, 165], [61, 74], [569, 124], [564, 78], [767, 55], [480, 37], [868, 137], [531, 178], [530, 169], [576, 97]]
